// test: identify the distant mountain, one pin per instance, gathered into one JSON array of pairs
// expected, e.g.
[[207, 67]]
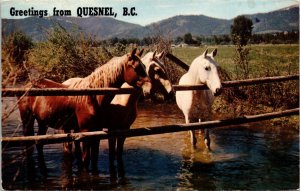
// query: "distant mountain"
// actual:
[[100, 27], [194, 24], [103, 27], [286, 19]]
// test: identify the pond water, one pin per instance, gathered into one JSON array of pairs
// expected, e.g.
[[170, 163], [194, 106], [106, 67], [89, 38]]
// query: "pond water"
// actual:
[[252, 156]]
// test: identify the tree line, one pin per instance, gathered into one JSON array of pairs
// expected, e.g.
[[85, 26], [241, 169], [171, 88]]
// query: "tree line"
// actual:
[[287, 37]]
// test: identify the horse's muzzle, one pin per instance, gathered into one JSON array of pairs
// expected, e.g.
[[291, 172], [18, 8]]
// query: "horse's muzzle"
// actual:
[[142, 80], [218, 91]]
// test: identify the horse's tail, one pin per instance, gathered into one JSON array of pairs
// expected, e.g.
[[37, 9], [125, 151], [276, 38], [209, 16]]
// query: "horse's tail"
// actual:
[[27, 118]]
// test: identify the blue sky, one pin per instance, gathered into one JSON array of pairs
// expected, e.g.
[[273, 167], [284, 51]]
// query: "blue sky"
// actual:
[[154, 10]]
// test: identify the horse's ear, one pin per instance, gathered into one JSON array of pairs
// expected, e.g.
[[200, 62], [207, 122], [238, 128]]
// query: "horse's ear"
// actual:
[[141, 53], [133, 52], [214, 52], [205, 53], [161, 55], [154, 53]]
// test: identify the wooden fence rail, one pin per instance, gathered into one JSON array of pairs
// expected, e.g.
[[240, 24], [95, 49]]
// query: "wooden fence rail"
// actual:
[[58, 138], [11, 92], [237, 83]]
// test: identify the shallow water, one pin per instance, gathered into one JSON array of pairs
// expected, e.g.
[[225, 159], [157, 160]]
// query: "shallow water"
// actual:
[[252, 156]]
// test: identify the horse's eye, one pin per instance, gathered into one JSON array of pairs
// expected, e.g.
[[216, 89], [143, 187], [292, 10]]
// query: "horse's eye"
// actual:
[[207, 68]]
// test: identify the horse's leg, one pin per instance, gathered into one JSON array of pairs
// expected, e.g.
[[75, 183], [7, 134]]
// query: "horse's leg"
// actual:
[[86, 153], [42, 130], [72, 124], [193, 138], [94, 154], [120, 146], [78, 154], [207, 139], [112, 155], [201, 132], [192, 132], [67, 145], [28, 122], [206, 131]]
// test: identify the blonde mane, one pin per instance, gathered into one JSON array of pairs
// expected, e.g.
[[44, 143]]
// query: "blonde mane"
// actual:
[[104, 76]]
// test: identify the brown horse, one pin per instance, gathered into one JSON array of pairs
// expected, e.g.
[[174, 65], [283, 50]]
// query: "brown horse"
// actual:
[[124, 106], [81, 113]]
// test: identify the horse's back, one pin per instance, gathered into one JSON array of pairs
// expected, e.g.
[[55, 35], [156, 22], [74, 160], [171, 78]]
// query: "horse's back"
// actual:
[[28, 102], [71, 81], [46, 83]]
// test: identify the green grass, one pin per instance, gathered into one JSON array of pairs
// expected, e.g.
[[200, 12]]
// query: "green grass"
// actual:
[[263, 59]]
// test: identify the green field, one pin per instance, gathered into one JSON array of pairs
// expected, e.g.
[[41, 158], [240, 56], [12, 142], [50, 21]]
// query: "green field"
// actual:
[[263, 59]]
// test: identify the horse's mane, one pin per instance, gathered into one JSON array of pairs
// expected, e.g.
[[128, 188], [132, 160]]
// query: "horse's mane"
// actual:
[[104, 76]]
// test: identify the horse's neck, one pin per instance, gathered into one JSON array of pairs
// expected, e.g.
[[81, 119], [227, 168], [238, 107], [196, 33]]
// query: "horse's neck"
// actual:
[[194, 74], [109, 75]]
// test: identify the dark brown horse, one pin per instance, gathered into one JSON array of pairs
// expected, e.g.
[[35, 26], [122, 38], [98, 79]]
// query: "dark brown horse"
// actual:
[[80, 113], [125, 106]]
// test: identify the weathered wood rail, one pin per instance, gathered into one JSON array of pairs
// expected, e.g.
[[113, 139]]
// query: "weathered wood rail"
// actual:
[[10, 92], [58, 138]]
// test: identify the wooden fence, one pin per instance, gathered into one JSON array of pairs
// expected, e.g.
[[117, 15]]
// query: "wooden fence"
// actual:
[[10, 92], [56, 138]]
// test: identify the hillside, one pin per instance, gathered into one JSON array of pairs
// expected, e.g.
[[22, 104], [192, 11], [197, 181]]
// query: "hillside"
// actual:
[[286, 19], [194, 24]]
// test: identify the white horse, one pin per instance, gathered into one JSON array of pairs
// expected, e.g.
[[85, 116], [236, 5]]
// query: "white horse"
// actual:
[[196, 105]]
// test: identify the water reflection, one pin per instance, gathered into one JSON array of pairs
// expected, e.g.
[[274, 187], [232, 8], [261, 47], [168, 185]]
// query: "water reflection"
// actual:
[[253, 156]]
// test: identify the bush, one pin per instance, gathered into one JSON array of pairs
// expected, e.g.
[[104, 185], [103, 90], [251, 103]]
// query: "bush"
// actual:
[[14, 53], [65, 55]]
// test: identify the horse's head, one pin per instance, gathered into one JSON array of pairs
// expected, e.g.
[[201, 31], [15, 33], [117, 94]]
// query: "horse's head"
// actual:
[[157, 74], [207, 69], [135, 71]]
